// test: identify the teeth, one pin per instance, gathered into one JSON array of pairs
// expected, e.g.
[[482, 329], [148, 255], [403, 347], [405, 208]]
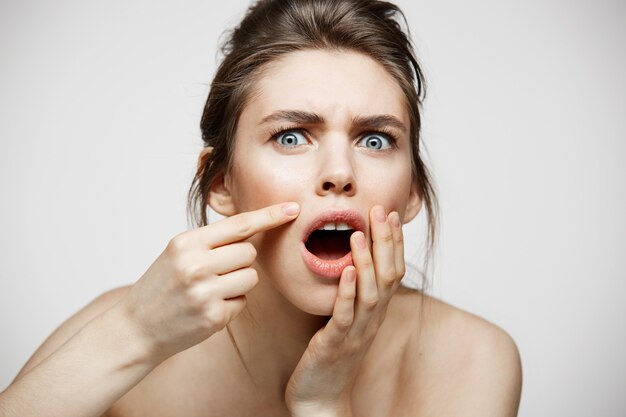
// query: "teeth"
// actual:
[[337, 226], [343, 226]]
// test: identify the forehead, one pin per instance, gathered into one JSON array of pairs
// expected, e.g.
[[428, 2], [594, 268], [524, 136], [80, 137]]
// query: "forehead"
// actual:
[[332, 83]]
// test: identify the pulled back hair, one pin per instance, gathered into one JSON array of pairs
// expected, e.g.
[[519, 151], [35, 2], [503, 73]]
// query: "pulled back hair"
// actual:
[[273, 28]]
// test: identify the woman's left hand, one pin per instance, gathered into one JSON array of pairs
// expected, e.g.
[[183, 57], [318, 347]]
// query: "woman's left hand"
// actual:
[[322, 382]]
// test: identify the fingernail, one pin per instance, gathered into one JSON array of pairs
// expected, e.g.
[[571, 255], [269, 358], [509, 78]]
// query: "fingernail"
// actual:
[[394, 218], [379, 214], [291, 209], [360, 240]]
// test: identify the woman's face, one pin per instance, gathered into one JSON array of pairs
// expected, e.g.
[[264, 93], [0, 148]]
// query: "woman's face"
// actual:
[[327, 157]]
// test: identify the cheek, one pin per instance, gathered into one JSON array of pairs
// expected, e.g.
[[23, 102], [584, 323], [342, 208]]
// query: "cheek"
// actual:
[[390, 187], [264, 181]]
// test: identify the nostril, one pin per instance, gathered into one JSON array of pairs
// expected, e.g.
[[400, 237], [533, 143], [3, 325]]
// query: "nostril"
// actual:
[[333, 186], [329, 185]]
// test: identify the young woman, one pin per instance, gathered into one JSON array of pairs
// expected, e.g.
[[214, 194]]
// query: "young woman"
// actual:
[[292, 305]]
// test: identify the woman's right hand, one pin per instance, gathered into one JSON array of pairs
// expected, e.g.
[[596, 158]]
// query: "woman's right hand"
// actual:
[[198, 284]]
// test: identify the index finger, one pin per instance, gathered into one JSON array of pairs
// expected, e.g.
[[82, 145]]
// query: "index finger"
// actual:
[[244, 225]]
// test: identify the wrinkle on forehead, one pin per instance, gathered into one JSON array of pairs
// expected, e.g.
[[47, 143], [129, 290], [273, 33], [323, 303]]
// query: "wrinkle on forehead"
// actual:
[[311, 80]]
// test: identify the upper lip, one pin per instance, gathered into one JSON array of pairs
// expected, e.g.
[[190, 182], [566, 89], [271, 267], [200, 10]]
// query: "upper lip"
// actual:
[[351, 217]]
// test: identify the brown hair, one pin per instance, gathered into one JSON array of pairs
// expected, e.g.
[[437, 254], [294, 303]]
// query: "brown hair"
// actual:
[[272, 28]]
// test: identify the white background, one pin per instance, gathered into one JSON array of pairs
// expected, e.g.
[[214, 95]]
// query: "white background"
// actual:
[[524, 122]]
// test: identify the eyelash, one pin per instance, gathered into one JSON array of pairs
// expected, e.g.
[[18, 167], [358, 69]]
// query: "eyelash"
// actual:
[[393, 140], [283, 129]]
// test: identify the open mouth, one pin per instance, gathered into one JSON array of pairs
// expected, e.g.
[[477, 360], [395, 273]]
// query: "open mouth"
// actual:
[[329, 244], [326, 244]]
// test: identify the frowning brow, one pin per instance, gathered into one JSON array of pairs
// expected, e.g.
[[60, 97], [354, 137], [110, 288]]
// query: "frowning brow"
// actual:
[[378, 121], [293, 116], [306, 118]]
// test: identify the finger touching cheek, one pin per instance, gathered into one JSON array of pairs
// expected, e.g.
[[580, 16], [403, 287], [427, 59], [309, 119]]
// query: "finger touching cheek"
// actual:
[[398, 242], [383, 248], [366, 288]]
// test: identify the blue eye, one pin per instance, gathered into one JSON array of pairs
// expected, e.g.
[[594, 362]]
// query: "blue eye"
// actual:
[[290, 138], [376, 141]]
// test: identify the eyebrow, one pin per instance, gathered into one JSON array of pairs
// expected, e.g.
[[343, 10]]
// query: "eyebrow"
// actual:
[[303, 117]]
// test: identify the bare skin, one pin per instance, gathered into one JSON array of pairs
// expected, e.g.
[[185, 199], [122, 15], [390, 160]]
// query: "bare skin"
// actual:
[[360, 345], [421, 374]]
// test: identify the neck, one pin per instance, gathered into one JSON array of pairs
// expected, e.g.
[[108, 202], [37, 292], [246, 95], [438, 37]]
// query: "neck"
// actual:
[[271, 335]]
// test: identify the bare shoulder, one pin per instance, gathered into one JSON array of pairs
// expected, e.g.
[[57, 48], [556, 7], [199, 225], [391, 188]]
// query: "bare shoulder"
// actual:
[[461, 363], [72, 325]]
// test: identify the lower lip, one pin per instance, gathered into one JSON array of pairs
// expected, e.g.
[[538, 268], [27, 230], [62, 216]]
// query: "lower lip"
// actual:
[[326, 268]]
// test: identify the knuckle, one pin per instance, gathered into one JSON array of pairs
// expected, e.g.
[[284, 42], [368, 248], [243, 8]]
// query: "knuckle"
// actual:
[[252, 274], [402, 270], [184, 271], [243, 228], [241, 304], [216, 316], [389, 277], [247, 278], [274, 217], [386, 237], [251, 251], [194, 299], [323, 351], [347, 296], [367, 262], [235, 311], [370, 302], [191, 270], [181, 270], [177, 244], [343, 322], [354, 346]]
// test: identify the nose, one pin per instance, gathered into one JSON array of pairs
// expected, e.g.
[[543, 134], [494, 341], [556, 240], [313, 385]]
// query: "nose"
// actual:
[[336, 175]]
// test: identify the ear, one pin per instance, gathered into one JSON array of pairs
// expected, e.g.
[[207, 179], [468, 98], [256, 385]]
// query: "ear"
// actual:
[[414, 205], [220, 197]]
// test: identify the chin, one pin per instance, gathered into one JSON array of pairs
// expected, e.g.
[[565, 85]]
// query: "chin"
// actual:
[[318, 301], [319, 310], [297, 284]]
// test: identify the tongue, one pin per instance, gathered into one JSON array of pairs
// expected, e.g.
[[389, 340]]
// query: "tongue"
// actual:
[[329, 244]]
